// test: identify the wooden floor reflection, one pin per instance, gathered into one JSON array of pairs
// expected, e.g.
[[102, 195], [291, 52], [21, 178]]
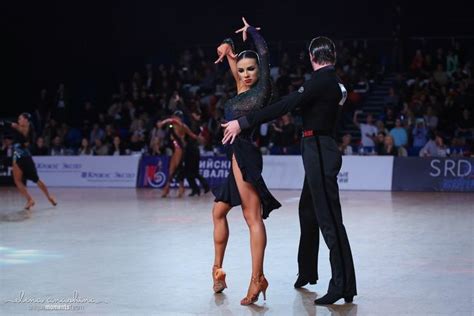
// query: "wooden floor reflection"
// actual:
[[129, 252]]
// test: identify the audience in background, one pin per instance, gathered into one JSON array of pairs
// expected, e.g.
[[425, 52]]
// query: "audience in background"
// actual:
[[57, 148], [345, 146], [40, 148], [427, 110], [99, 148], [434, 147], [85, 149]]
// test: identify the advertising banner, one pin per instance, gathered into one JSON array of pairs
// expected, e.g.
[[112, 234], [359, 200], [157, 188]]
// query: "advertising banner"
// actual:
[[283, 172], [154, 171], [366, 173], [87, 171], [6, 177], [279, 172], [214, 169], [433, 174], [357, 173]]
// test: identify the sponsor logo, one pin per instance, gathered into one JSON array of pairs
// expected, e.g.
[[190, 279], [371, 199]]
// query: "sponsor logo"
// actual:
[[206, 173], [58, 166], [214, 164], [343, 177], [47, 166], [450, 168], [107, 175], [154, 176], [71, 166], [455, 175], [214, 168]]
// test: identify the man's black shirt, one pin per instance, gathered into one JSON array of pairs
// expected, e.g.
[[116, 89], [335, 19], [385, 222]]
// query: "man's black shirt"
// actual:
[[319, 100]]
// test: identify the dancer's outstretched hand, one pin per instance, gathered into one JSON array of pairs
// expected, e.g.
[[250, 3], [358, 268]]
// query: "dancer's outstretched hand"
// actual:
[[244, 29], [224, 50]]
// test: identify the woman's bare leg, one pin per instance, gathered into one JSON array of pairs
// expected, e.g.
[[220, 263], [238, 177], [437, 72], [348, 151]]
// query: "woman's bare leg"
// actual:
[[221, 231], [18, 179], [44, 188], [174, 162], [251, 209], [221, 236]]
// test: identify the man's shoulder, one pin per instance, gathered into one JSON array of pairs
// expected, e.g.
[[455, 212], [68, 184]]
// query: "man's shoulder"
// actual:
[[312, 84]]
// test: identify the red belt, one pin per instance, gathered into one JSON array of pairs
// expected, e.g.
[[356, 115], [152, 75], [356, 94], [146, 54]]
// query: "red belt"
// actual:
[[311, 133]]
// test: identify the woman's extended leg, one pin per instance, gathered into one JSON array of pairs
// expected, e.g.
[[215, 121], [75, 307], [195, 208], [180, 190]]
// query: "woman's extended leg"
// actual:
[[18, 179], [251, 207], [221, 231], [44, 188], [174, 163], [221, 236]]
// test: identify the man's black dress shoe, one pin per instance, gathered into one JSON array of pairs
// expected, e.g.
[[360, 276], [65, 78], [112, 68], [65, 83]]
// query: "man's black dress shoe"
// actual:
[[300, 282], [330, 298]]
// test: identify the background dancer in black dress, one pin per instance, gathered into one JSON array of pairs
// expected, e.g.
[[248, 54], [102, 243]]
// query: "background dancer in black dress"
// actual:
[[244, 185], [178, 132], [23, 166]]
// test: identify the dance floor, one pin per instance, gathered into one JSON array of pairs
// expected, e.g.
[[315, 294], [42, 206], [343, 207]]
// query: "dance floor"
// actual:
[[130, 252]]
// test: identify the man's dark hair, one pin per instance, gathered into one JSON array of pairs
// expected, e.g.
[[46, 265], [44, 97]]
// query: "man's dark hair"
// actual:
[[323, 50]]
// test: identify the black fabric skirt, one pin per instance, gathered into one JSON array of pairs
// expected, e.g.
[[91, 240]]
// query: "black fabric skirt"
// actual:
[[249, 159], [28, 168]]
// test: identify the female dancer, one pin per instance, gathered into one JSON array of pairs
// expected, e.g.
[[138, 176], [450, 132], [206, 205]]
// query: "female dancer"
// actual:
[[178, 131], [244, 185], [23, 165]]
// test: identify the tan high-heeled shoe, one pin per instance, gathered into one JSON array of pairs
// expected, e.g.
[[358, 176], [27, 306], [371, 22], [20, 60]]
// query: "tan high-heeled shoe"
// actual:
[[257, 285], [218, 276]]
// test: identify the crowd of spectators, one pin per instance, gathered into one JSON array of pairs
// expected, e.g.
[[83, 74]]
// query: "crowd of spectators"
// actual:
[[428, 111], [194, 85]]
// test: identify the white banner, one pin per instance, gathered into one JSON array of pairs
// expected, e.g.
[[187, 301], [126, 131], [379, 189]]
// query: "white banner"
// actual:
[[279, 172], [283, 172], [366, 173], [88, 171], [357, 172]]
